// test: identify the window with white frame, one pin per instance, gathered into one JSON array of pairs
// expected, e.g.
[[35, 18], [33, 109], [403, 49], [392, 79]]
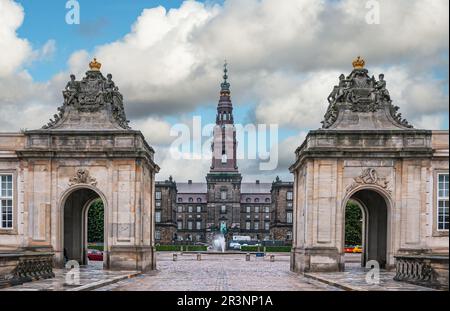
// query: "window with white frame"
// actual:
[[158, 195], [223, 195], [289, 217], [158, 203], [289, 235], [157, 235], [179, 225], [199, 209], [248, 209], [266, 225], [256, 209], [247, 225], [256, 225], [158, 216], [289, 195], [266, 209], [442, 203], [6, 201], [180, 208], [189, 225], [190, 209], [223, 209], [199, 225]]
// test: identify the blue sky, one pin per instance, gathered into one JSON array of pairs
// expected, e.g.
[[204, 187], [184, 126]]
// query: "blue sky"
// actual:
[[104, 21]]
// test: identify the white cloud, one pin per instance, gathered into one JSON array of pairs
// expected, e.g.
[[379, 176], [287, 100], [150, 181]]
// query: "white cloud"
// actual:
[[14, 51], [285, 56]]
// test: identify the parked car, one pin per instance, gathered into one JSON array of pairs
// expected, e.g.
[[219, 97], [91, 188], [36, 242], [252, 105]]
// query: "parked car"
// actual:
[[357, 249], [95, 255], [235, 245], [348, 248]]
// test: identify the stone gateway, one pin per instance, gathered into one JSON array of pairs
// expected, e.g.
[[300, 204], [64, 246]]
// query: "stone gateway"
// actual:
[[367, 153], [87, 152]]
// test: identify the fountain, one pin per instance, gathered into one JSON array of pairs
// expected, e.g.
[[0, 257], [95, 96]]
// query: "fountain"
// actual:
[[218, 243]]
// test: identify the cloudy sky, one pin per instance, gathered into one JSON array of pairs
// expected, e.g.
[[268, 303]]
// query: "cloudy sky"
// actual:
[[166, 57]]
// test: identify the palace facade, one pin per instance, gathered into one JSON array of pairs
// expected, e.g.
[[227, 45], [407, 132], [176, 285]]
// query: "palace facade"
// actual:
[[195, 211]]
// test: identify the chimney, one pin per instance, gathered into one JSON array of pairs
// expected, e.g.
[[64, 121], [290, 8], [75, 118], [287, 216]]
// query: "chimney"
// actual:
[[190, 182], [257, 182]]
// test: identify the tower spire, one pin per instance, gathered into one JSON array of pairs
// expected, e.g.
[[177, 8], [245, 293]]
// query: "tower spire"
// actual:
[[225, 86]]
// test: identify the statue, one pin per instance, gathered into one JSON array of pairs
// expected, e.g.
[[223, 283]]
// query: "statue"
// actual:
[[339, 91], [360, 93], [71, 90], [381, 93], [223, 228]]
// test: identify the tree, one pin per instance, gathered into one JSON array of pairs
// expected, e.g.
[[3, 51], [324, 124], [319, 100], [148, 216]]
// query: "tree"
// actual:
[[96, 222], [353, 224]]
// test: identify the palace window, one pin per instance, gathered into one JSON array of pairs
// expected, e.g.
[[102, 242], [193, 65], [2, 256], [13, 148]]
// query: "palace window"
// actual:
[[266, 225], [247, 225], [266, 209], [256, 225], [248, 209], [180, 225], [289, 205], [199, 225], [6, 202], [189, 225], [442, 197], [158, 203], [256, 209], [289, 217], [191, 200], [157, 235], [158, 216], [158, 195], [289, 195], [289, 235], [223, 195], [180, 208], [223, 209], [199, 200], [199, 209], [190, 209], [180, 200]]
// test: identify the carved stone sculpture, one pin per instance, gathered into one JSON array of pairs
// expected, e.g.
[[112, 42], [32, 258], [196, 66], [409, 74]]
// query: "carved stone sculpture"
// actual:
[[369, 176], [82, 176], [92, 94], [360, 93]]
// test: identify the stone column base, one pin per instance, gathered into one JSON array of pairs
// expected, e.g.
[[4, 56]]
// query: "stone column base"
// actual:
[[316, 259], [140, 258]]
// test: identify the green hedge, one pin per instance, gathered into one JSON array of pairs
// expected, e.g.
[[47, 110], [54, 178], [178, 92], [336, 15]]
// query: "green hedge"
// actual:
[[281, 249], [177, 248], [250, 248], [272, 249]]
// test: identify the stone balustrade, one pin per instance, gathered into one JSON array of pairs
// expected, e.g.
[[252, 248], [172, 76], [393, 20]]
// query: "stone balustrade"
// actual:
[[20, 267], [425, 270]]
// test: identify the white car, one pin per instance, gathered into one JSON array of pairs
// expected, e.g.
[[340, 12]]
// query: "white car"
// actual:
[[235, 245]]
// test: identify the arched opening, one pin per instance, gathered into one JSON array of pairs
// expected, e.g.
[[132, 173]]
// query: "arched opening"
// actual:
[[81, 225], [373, 234], [94, 233]]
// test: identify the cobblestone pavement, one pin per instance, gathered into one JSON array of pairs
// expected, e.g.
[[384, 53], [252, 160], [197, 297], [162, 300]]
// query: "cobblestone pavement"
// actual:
[[89, 275], [219, 273]]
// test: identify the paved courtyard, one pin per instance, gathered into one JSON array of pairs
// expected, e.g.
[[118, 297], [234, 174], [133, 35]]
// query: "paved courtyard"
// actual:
[[220, 273]]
